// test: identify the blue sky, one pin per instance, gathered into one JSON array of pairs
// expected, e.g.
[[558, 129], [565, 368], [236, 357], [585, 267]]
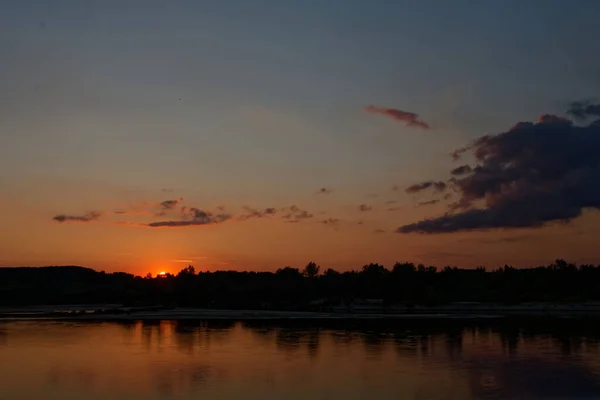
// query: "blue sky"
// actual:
[[262, 101]]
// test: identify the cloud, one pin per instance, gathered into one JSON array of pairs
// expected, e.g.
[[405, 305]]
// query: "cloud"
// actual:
[[199, 217], [411, 119], [324, 190], [182, 261], [330, 221], [395, 188], [391, 202], [462, 170], [418, 187], [378, 231], [364, 207], [170, 204], [91, 216], [428, 202], [254, 213], [526, 177], [506, 239], [294, 214], [583, 109]]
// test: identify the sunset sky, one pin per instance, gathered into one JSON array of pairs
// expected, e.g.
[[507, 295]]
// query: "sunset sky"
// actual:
[[232, 134]]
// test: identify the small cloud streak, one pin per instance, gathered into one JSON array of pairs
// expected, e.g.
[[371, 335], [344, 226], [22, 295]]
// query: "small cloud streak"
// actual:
[[411, 119], [418, 187], [254, 213], [462, 170], [91, 216], [324, 190], [428, 203], [364, 207], [294, 214], [199, 218], [170, 204]]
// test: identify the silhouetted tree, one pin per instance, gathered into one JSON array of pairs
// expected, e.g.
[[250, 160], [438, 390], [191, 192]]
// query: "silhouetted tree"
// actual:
[[187, 271], [289, 288], [311, 270]]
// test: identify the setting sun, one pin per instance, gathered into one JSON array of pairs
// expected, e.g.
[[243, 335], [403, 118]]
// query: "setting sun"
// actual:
[[162, 273]]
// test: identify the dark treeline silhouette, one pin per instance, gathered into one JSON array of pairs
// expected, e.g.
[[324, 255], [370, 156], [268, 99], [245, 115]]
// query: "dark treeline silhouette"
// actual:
[[294, 289]]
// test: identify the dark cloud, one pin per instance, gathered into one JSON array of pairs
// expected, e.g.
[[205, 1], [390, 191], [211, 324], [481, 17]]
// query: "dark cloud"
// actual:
[[365, 207], [324, 190], [462, 170], [583, 109], [91, 216], [330, 221], [254, 213], [199, 217], [418, 187], [411, 119], [528, 176]]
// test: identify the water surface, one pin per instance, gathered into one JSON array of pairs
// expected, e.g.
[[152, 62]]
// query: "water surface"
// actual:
[[227, 360]]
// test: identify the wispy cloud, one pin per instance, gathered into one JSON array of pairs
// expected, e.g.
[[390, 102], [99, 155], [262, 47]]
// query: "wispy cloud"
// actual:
[[428, 202], [364, 207], [418, 187], [91, 216], [170, 204], [254, 213], [411, 119], [199, 218], [295, 214], [324, 190], [462, 170]]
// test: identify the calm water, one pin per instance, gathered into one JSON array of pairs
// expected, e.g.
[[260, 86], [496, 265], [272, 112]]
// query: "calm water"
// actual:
[[183, 360]]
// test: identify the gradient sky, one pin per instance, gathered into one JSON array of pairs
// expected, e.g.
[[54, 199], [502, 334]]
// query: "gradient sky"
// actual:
[[113, 107]]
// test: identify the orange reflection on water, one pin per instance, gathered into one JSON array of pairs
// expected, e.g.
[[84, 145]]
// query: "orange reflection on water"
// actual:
[[226, 360]]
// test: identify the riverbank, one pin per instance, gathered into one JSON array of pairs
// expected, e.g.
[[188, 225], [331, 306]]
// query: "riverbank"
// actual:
[[451, 311]]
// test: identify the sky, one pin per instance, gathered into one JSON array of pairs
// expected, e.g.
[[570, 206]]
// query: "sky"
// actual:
[[143, 136]]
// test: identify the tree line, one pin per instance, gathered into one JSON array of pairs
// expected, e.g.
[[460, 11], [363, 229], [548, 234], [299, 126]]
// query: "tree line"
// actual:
[[299, 289]]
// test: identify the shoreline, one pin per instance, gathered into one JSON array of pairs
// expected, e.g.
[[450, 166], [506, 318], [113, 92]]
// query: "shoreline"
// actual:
[[91, 313]]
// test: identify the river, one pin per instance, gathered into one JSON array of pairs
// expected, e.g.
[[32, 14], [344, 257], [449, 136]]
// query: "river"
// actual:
[[256, 360]]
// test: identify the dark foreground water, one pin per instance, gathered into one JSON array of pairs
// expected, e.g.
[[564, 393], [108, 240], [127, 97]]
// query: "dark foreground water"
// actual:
[[219, 360]]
